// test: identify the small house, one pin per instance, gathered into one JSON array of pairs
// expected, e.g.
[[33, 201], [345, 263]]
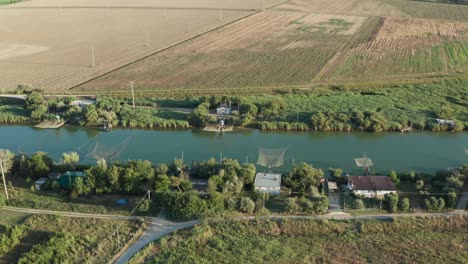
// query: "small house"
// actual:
[[67, 179], [38, 184], [223, 109], [268, 182], [371, 186]]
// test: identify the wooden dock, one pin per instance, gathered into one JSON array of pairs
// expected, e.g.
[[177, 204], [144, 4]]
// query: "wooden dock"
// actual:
[[215, 128], [50, 124]]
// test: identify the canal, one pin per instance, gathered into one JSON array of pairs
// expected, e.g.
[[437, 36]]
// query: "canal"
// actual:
[[419, 151]]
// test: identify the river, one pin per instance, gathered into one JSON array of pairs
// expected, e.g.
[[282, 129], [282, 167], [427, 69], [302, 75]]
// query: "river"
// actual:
[[419, 151]]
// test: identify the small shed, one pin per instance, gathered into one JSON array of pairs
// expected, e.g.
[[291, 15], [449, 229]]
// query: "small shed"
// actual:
[[332, 186], [371, 186], [67, 179], [38, 184], [445, 122], [268, 182], [223, 110]]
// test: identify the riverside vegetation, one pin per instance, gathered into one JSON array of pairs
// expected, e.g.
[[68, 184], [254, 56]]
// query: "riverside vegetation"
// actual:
[[229, 187], [334, 108]]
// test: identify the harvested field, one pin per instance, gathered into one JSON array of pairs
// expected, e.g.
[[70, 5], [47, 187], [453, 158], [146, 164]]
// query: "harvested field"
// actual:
[[296, 43], [406, 47], [266, 49], [54, 52], [303, 42], [399, 8]]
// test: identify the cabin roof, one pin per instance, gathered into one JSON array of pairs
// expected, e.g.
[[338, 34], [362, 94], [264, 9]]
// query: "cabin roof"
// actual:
[[371, 183], [269, 180]]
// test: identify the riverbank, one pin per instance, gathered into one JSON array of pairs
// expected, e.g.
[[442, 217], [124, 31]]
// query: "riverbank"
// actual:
[[331, 108]]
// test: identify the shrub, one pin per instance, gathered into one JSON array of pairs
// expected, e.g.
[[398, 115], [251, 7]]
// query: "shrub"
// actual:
[[246, 205]]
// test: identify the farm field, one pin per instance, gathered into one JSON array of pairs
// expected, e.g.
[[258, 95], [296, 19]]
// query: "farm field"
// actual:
[[308, 42], [414, 240], [55, 52]]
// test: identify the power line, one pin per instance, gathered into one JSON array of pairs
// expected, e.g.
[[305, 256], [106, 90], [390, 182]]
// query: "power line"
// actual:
[[117, 230]]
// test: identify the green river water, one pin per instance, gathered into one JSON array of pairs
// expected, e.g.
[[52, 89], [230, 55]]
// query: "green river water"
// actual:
[[419, 151]]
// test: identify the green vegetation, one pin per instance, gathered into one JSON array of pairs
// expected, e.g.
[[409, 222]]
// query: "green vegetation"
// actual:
[[7, 2], [329, 108], [55, 239], [348, 108], [12, 111], [431, 240]]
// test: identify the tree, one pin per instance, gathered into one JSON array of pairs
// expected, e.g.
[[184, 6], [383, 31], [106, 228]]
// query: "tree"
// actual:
[[302, 177], [144, 206], [246, 205], [162, 183], [199, 117], [80, 187], [113, 176], [71, 159], [249, 109], [454, 182], [394, 177], [451, 199], [7, 157], [391, 202], [36, 105], [91, 114], [404, 205], [39, 164], [419, 185], [247, 173]]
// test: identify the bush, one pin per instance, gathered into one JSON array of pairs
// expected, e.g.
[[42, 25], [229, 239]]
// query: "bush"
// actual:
[[404, 205], [246, 205], [391, 202], [358, 204]]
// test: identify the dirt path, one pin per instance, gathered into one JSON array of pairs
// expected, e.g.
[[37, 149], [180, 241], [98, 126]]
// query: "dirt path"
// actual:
[[69, 214], [159, 227]]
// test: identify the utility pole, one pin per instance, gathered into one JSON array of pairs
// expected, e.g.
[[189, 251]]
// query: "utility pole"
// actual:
[[182, 157], [92, 57], [3, 176], [118, 237], [147, 39], [264, 199], [133, 94]]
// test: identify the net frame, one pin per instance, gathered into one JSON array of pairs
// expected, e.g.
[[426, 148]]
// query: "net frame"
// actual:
[[364, 162], [270, 158]]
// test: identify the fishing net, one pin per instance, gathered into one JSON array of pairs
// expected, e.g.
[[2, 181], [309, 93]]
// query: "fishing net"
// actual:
[[364, 162], [271, 157]]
